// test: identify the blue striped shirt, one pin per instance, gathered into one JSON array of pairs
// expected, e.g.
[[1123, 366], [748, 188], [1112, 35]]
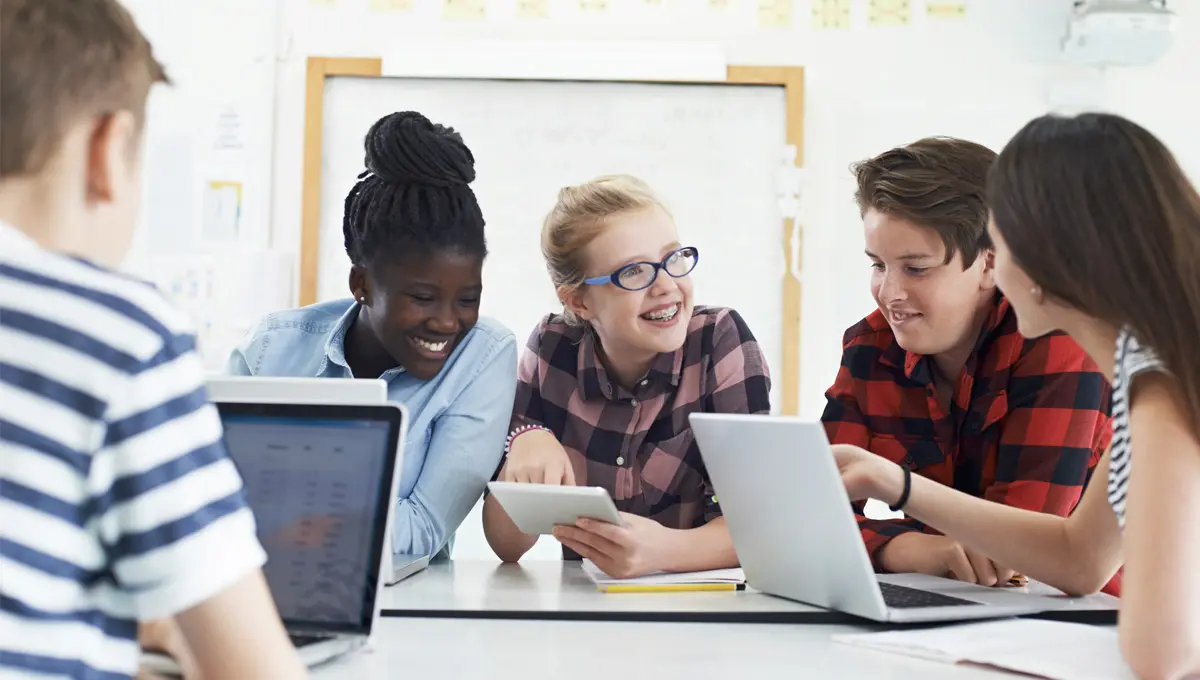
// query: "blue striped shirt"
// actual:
[[118, 502]]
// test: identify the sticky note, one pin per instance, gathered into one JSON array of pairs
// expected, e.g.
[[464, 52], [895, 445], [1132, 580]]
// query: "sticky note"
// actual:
[[889, 12], [775, 13], [831, 14], [390, 5], [945, 10], [464, 10], [533, 9]]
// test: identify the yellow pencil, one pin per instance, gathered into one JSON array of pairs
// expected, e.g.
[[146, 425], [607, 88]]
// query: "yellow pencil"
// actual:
[[672, 587]]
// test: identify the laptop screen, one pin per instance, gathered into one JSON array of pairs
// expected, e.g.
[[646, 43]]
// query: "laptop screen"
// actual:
[[318, 486]]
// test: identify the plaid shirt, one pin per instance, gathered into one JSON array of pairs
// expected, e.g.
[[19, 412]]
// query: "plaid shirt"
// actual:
[[1027, 424], [638, 444]]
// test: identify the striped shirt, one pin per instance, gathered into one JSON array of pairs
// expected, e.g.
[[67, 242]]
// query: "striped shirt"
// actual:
[[1131, 359], [637, 443], [118, 502]]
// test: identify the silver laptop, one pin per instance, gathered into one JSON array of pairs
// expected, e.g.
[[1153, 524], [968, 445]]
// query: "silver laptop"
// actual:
[[795, 534], [321, 480], [291, 390]]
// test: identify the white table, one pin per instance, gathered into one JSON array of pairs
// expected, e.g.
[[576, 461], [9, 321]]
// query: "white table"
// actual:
[[456, 641]]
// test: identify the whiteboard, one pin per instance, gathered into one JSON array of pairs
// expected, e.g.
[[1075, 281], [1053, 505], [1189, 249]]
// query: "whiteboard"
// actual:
[[712, 152]]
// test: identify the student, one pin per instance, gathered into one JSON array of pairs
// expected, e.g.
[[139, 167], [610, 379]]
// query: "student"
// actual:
[[938, 378], [119, 503], [1097, 231], [415, 236], [605, 387]]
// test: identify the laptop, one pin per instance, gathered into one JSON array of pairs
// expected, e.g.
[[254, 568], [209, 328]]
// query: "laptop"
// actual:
[[795, 534], [291, 390], [321, 480]]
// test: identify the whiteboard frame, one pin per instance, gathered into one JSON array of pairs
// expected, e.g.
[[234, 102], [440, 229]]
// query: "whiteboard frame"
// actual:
[[790, 78]]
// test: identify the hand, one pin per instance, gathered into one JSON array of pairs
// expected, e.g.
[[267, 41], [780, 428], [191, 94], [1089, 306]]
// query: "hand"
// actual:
[[538, 458], [627, 551], [164, 636], [940, 556], [867, 475]]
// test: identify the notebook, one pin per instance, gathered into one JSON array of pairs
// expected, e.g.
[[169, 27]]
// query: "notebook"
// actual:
[[662, 582], [1044, 649]]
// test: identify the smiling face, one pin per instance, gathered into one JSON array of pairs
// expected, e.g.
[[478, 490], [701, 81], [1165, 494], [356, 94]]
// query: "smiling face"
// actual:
[[421, 306], [931, 305], [637, 324]]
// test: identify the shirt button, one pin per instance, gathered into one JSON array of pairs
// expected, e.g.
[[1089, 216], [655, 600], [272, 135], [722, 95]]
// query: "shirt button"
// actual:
[[620, 460], [633, 402], [645, 382]]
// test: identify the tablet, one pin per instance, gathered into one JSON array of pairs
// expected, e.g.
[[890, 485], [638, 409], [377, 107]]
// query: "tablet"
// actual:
[[538, 508]]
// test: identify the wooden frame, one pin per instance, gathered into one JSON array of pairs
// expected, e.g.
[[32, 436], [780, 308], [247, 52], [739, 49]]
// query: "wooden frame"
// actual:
[[790, 78]]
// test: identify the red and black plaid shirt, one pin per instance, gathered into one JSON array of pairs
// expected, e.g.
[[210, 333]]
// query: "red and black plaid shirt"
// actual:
[[1027, 423]]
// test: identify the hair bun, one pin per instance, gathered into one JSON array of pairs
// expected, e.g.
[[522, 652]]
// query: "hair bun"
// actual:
[[406, 148]]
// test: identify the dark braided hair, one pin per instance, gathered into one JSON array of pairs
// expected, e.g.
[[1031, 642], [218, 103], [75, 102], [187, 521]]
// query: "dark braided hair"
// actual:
[[414, 196]]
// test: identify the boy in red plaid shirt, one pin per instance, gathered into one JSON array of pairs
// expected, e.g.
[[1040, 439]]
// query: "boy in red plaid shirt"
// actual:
[[939, 380]]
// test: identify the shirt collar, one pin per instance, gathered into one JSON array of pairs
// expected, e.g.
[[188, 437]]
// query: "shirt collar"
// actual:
[[594, 380], [916, 366]]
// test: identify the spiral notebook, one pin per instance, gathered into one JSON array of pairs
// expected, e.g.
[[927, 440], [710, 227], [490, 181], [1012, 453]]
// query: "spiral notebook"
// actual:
[[665, 582]]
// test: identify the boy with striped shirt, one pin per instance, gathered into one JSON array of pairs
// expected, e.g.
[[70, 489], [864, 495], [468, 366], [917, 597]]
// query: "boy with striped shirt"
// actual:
[[118, 503]]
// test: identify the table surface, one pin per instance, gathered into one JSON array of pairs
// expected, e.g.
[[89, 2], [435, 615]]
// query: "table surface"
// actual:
[[436, 622]]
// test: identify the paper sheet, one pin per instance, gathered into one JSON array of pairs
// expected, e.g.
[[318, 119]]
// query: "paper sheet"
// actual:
[[945, 10], [889, 12], [390, 5], [533, 9], [464, 10], [222, 212], [1045, 649], [775, 13], [831, 14]]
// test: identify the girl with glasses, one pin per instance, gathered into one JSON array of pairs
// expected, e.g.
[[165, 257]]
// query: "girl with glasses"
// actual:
[[605, 387]]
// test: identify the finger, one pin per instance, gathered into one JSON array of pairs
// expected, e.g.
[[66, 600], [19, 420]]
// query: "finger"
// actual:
[[582, 550], [592, 539], [960, 566], [1003, 574], [985, 574], [553, 474], [610, 532], [537, 475], [569, 474], [521, 475]]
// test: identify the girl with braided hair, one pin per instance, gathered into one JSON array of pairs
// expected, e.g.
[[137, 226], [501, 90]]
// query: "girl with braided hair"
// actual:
[[415, 236]]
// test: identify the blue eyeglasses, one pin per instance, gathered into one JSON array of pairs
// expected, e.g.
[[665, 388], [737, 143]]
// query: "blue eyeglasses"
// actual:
[[639, 275]]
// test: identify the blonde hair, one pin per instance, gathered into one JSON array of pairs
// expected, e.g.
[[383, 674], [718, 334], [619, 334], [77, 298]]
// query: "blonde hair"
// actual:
[[580, 215]]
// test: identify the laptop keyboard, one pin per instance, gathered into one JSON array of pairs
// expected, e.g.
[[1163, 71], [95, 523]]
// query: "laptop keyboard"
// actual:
[[902, 597], [305, 640]]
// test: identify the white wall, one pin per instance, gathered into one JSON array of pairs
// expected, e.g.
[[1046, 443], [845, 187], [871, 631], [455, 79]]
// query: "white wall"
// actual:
[[868, 88]]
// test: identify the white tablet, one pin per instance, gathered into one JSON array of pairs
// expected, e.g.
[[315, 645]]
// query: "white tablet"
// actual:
[[538, 508]]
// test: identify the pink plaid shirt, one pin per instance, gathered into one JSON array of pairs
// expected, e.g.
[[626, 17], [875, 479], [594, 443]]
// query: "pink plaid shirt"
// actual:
[[637, 443]]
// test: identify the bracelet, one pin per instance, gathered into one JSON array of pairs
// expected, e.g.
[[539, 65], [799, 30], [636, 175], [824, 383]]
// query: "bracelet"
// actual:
[[518, 431], [903, 496]]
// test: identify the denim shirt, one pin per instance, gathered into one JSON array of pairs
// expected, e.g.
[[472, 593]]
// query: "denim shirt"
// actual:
[[457, 421]]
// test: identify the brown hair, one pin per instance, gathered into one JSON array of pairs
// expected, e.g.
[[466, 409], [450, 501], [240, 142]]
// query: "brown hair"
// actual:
[[936, 182], [1099, 214], [579, 216], [62, 61]]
